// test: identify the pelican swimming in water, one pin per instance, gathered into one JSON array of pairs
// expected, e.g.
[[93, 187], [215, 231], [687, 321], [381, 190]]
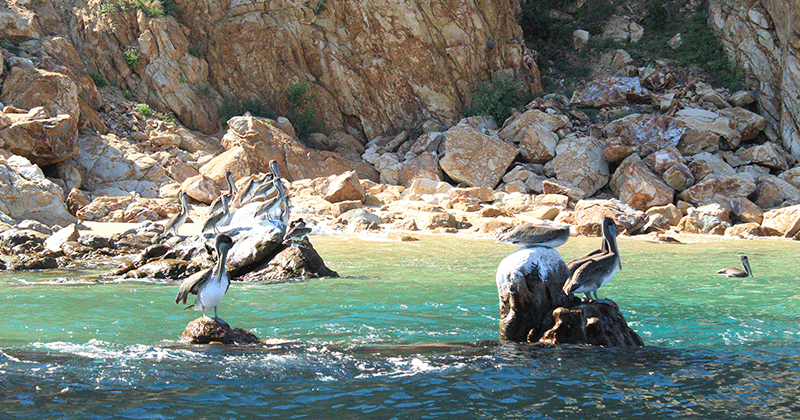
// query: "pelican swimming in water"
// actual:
[[219, 219], [176, 221], [736, 272], [593, 270], [209, 285], [530, 235]]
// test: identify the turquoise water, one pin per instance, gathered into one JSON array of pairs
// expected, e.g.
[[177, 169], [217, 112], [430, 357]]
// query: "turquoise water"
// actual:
[[410, 331]]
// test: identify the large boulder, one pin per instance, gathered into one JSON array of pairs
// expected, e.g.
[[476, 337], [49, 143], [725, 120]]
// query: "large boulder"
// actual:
[[27, 87], [25, 193], [474, 158], [785, 220], [534, 131], [705, 121], [612, 91], [767, 154], [638, 186], [642, 134], [579, 161], [263, 141], [720, 190], [42, 140]]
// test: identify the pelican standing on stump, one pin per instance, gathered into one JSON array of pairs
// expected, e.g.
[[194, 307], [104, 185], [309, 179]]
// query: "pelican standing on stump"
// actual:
[[593, 270], [209, 285], [530, 235], [735, 272], [176, 221]]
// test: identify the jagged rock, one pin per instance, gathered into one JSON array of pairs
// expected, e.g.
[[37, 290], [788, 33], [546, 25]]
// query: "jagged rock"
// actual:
[[707, 166], [750, 230], [34, 225], [614, 60], [95, 241], [678, 176], [77, 200], [337, 209], [201, 188], [791, 176], [298, 260], [18, 23], [747, 123], [263, 141], [25, 193], [27, 87], [766, 154], [205, 330], [233, 160], [636, 185], [704, 120], [534, 131], [253, 248], [642, 134], [772, 191], [711, 218], [423, 186], [563, 188], [596, 323], [719, 190], [611, 91], [661, 160], [474, 158], [579, 161], [26, 262]]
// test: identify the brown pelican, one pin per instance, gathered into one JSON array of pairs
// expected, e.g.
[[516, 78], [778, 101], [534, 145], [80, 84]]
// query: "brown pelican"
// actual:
[[529, 235], [247, 192], [284, 200], [216, 205], [219, 219], [176, 221], [735, 272], [593, 270], [209, 285], [297, 230]]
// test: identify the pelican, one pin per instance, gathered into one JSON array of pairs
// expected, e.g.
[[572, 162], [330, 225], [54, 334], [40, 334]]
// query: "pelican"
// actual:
[[219, 219], [593, 270], [284, 200], [209, 285], [297, 230], [529, 235], [248, 191], [216, 205], [176, 221], [735, 272]]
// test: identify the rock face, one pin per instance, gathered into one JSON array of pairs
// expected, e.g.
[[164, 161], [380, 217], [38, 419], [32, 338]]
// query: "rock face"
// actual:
[[534, 308], [374, 67], [209, 331], [762, 40], [25, 193]]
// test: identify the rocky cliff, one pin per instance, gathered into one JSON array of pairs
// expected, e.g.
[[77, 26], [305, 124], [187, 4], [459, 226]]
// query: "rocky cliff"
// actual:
[[762, 38], [375, 67]]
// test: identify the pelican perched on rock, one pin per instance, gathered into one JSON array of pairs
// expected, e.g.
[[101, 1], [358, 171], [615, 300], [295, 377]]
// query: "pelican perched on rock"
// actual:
[[593, 270], [176, 221], [284, 200], [247, 193], [219, 219], [209, 285], [297, 230], [216, 205], [529, 235], [736, 272]]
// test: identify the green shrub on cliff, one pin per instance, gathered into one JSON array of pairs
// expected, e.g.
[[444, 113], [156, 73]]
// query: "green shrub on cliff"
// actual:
[[256, 107], [497, 98], [300, 109], [131, 56], [144, 109]]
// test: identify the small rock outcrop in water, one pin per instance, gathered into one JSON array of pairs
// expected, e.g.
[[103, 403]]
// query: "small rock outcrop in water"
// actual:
[[534, 308], [205, 330]]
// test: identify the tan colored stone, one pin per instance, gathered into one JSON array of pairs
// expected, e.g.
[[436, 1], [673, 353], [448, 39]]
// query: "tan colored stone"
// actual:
[[18, 23], [766, 154], [544, 212], [661, 160], [746, 210], [589, 214], [338, 188], [697, 141], [563, 188], [670, 212], [689, 225], [483, 194], [611, 92], [76, 200], [786, 220], [704, 120], [707, 166], [678, 176], [720, 190], [534, 131], [772, 191], [201, 188], [180, 171], [750, 230], [425, 166], [234, 160], [338, 208], [42, 141], [643, 133], [580, 162], [748, 123], [474, 158], [639, 187]]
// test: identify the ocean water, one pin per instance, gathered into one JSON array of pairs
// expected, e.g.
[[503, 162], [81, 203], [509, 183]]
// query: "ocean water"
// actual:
[[410, 331]]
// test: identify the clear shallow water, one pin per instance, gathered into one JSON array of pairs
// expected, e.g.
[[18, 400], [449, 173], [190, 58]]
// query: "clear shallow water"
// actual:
[[410, 331]]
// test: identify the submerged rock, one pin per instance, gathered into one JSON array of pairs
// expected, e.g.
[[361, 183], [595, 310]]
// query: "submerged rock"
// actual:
[[595, 323], [205, 330]]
